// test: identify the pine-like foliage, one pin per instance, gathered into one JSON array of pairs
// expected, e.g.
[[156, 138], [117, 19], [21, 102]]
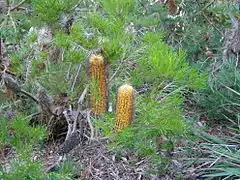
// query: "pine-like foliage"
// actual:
[[50, 11], [164, 62], [221, 99], [222, 153]]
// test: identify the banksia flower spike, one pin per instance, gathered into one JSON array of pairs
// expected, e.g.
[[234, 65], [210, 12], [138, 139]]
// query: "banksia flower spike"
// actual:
[[124, 106], [98, 79]]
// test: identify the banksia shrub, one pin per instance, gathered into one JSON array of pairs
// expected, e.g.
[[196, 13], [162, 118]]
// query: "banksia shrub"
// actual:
[[98, 78], [124, 106]]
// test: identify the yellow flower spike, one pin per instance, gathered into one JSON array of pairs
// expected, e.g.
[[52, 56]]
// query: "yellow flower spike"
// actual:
[[124, 106], [98, 79]]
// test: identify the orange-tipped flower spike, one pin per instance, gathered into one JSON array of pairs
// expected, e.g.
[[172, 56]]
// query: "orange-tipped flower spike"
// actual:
[[124, 106], [98, 79]]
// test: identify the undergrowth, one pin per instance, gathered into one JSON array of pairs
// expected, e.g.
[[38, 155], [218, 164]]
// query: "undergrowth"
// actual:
[[23, 139]]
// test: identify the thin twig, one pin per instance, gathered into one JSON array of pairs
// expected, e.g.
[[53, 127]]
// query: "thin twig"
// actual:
[[114, 74], [82, 97], [52, 167], [207, 6], [75, 78], [13, 23], [214, 162], [68, 72], [29, 95], [4, 70], [75, 121], [17, 6], [90, 124], [32, 115], [70, 126], [7, 71], [205, 16], [82, 48]]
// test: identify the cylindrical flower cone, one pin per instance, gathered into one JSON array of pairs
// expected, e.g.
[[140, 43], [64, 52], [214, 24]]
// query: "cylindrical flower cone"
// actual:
[[124, 106], [98, 79]]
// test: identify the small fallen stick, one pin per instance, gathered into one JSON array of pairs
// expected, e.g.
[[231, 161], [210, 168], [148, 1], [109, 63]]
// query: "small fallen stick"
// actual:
[[54, 166], [17, 6], [70, 125], [90, 125]]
